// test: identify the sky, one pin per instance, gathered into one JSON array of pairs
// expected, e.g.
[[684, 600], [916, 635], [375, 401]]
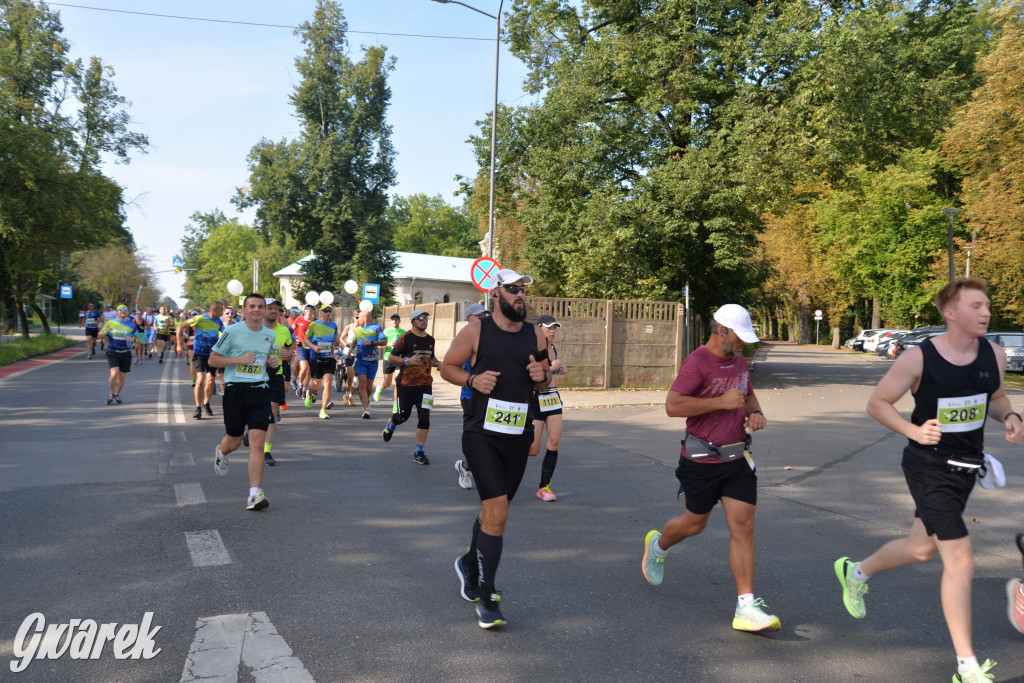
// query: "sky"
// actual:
[[205, 92]]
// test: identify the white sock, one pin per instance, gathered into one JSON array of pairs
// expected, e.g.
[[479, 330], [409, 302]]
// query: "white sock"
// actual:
[[745, 599], [253, 490], [658, 550], [966, 663], [858, 575]]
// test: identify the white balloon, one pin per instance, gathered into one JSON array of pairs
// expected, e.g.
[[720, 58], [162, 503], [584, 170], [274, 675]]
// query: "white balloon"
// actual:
[[351, 286], [235, 287], [365, 305], [326, 298], [312, 298]]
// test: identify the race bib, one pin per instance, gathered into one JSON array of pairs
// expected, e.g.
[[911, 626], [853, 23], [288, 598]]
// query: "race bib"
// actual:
[[428, 402], [118, 334], [505, 417], [549, 402], [254, 371], [962, 413]]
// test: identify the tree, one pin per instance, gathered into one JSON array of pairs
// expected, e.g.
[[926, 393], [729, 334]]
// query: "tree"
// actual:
[[328, 188], [117, 273], [54, 198], [427, 225], [985, 145]]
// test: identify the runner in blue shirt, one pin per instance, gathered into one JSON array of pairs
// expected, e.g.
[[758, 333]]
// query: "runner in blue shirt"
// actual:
[[92, 319], [369, 339]]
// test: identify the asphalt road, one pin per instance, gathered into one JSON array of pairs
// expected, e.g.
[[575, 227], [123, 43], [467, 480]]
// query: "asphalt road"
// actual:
[[352, 562]]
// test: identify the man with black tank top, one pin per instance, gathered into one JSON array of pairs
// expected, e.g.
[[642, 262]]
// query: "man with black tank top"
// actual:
[[956, 379], [508, 361]]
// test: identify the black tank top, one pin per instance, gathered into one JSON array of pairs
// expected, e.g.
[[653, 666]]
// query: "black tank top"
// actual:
[[504, 412], [959, 396]]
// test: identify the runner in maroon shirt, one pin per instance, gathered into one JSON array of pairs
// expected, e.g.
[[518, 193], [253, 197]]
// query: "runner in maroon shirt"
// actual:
[[713, 392]]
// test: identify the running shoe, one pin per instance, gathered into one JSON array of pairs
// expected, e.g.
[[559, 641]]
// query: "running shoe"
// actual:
[[91, 355], [330, 404], [198, 414], [420, 458], [110, 399], [220, 462], [545, 493], [117, 399], [654, 564], [245, 438], [269, 459], [366, 414], [209, 410], [388, 432], [324, 415], [257, 501], [160, 359], [465, 476], [298, 392], [752, 617], [376, 394], [309, 401], [1015, 603], [348, 400], [467, 584], [978, 674], [487, 613], [193, 383], [853, 590]]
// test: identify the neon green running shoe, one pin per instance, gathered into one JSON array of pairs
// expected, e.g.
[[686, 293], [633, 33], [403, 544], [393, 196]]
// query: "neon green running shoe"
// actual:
[[752, 617], [979, 674], [309, 400], [654, 564], [324, 415], [853, 590]]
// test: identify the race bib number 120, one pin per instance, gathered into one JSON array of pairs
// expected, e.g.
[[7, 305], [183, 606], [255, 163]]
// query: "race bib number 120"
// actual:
[[963, 413], [505, 417]]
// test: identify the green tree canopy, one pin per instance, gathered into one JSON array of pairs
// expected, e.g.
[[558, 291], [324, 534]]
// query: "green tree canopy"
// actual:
[[427, 225]]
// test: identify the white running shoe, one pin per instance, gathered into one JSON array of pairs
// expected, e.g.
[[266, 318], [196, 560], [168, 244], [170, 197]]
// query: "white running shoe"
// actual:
[[465, 476], [257, 501], [220, 462]]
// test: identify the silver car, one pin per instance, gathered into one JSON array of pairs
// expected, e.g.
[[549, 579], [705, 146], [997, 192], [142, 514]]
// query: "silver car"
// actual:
[[1013, 344]]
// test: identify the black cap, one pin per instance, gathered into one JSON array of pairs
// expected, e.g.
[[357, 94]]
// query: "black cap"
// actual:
[[548, 321], [395, 316]]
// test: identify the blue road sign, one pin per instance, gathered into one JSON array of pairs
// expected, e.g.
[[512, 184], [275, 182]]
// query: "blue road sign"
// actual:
[[371, 293], [65, 291], [176, 262]]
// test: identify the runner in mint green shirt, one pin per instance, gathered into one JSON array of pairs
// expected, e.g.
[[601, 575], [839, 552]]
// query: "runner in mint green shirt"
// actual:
[[246, 351]]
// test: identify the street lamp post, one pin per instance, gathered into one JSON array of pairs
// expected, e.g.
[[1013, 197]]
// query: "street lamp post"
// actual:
[[494, 112], [950, 212]]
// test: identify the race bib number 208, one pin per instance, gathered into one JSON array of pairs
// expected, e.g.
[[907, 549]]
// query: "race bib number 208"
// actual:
[[962, 413]]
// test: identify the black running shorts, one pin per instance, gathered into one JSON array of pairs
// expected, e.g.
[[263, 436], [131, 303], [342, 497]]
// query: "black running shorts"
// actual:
[[93, 332], [246, 405], [704, 484], [389, 369], [120, 360], [498, 464], [318, 367], [939, 496], [277, 391], [201, 363]]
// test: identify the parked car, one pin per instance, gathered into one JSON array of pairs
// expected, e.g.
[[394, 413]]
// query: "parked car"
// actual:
[[886, 343], [1013, 344], [916, 337], [858, 341], [871, 343]]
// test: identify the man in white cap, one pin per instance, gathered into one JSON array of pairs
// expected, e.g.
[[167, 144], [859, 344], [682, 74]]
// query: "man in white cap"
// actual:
[[713, 392], [497, 431]]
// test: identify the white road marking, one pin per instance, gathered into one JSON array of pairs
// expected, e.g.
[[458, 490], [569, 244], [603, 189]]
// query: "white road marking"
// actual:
[[167, 436], [161, 402], [206, 548], [182, 460], [179, 416], [225, 643], [189, 494]]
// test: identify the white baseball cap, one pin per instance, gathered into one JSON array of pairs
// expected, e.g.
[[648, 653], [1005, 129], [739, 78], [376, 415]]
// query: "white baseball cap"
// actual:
[[508, 275], [735, 317]]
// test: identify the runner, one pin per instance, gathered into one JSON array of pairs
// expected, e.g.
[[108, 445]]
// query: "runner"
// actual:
[[413, 352], [283, 347], [228, 318], [322, 339], [91, 319], [713, 392], [1015, 595], [246, 351], [348, 337], [473, 312], [547, 412], [163, 324], [207, 329], [497, 431], [108, 314], [120, 333], [956, 379], [150, 318], [302, 354], [392, 333], [140, 339], [369, 338]]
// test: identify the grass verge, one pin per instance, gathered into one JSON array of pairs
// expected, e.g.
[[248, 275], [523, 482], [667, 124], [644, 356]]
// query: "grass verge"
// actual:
[[20, 349]]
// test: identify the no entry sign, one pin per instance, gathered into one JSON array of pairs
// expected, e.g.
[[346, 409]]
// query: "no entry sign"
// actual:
[[483, 271]]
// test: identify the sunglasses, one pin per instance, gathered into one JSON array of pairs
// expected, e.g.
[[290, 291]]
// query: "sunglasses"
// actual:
[[422, 318], [514, 289], [122, 309]]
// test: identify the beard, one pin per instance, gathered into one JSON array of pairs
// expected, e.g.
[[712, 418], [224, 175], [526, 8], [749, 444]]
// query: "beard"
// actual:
[[511, 312]]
